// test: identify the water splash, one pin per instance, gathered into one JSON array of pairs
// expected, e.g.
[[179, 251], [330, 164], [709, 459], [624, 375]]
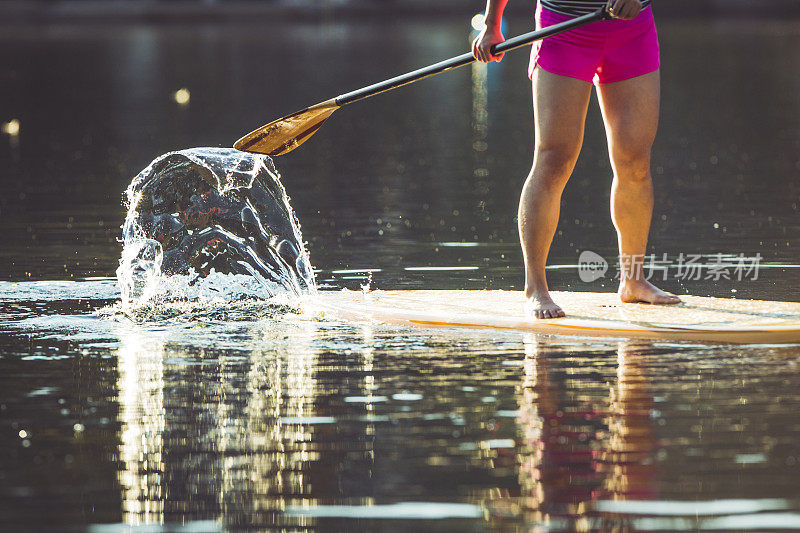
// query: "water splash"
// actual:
[[366, 287], [210, 224]]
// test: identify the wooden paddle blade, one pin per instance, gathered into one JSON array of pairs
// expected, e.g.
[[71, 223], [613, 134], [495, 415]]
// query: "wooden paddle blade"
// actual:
[[287, 133]]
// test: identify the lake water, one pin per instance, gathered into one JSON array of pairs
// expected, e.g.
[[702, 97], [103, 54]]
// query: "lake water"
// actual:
[[245, 415]]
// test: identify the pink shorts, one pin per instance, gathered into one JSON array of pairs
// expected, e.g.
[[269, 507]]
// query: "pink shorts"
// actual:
[[600, 52]]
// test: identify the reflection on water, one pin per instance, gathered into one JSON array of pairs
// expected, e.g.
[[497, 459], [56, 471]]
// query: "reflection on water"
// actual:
[[142, 417], [628, 457], [234, 443], [581, 448], [480, 101], [226, 421]]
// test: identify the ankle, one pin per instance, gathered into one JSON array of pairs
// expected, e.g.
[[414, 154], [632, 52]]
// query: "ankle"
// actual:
[[536, 291], [633, 283]]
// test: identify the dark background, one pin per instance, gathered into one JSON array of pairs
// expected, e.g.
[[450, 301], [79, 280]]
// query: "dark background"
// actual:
[[390, 183]]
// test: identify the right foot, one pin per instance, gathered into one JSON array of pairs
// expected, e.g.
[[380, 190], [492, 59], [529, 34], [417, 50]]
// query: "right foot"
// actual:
[[540, 305]]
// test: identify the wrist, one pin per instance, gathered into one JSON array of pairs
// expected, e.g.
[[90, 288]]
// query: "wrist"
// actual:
[[493, 25]]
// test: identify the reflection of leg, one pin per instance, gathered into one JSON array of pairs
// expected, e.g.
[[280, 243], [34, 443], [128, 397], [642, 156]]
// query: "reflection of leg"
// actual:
[[630, 110], [536, 407], [627, 459], [559, 106], [556, 464]]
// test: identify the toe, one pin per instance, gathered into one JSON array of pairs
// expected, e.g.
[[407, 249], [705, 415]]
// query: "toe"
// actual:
[[669, 299]]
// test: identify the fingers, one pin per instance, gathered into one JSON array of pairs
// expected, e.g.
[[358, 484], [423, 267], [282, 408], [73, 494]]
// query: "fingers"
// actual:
[[482, 51], [630, 9], [610, 8], [488, 57], [485, 53], [484, 56], [478, 51], [624, 9]]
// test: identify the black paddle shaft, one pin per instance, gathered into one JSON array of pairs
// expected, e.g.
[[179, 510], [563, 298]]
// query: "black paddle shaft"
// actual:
[[466, 59]]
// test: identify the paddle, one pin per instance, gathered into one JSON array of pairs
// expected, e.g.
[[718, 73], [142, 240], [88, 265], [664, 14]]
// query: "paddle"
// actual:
[[287, 133]]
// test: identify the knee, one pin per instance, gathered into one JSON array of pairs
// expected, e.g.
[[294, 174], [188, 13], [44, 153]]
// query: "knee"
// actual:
[[631, 161], [553, 164]]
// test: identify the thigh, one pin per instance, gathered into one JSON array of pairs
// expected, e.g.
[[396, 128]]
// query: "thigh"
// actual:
[[559, 109], [630, 112]]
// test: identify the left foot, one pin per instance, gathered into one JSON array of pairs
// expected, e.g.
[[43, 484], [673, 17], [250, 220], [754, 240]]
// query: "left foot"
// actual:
[[632, 291]]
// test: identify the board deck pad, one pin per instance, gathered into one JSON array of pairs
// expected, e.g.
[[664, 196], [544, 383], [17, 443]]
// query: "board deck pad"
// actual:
[[589, 314]]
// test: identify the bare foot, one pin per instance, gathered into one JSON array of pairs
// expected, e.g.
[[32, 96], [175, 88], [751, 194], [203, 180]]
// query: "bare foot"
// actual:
[[632, 291], [540, 305]]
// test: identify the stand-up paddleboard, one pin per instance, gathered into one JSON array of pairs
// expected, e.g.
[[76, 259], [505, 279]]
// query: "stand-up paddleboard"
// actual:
[[589, 314]]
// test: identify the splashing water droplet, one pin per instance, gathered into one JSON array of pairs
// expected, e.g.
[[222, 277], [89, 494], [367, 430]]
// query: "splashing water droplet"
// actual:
[[367, 285], [210, 224]]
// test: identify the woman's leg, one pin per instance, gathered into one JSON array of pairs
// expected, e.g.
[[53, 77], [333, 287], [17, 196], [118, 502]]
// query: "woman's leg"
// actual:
[[559, 108], [630, 111]]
